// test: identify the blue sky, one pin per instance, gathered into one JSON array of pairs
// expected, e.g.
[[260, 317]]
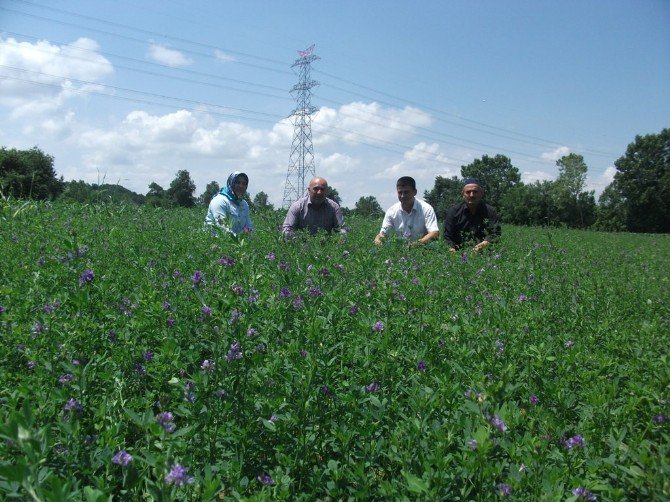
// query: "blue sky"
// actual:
[[133, 91]]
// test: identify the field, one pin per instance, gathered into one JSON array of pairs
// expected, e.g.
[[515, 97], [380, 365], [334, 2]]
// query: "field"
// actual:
[[144, 358]]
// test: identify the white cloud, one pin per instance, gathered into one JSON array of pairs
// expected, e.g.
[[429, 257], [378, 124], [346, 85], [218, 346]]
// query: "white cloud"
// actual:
[[167, 56], [223, 57], [561, 151], [537, 175], [39, 78]]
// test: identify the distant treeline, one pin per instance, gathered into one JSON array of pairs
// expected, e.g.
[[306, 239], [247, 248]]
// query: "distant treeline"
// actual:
[[637, 200]]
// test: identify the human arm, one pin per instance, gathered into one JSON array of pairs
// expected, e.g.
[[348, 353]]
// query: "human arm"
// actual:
[[291, 220], [387, 226], [430, 221]]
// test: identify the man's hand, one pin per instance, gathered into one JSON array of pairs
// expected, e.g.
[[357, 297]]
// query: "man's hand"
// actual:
[[481, 245]]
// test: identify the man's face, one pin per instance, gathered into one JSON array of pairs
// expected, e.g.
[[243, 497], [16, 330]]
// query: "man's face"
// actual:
[[405, 195], [472, 194], [317, 191]]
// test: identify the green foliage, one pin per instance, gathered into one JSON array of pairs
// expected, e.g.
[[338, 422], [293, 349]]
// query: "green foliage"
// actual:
[[332, 193], [28, 174], [573, 207], [640, 192], [445, 193], [211, 190], [80, 191], [261, 203], [182, 190], [497, 174], [368, 207], [326, 368]]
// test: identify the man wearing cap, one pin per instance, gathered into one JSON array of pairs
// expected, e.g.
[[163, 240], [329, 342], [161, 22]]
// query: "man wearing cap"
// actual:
[[409, 218], [472, 220], [314, 211]]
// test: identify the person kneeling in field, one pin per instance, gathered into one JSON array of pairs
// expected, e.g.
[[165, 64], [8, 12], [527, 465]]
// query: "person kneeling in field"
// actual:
[[314, 212], [409, 218], [228, 210], [471, 221]]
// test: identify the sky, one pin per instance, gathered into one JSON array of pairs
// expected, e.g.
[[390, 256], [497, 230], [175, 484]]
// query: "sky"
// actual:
[[131, 92]]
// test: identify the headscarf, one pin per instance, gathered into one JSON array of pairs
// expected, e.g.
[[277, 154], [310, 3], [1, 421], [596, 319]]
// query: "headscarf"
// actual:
[[228, 191]]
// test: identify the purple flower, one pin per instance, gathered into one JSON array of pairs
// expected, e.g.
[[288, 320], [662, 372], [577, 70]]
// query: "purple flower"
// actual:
[[324, 272], [373, 387], [167, 305], [378, 326], [166, 420], [283, 266], [31, 365], [583, 494], [284, 293], [178, 477], [170, 322], [498, 423], [499, 347], [534, 400], [574, 442], [421, 365], [353, 310], [251, 332], [315, 292], [197, 278], [2, 309], [206, 311], [189, 394], [265, 479], [472, 444], [504, 490], [208, 366], [141, 370], [148, 355], [226, 261], [67, 377], [464, 258], [660, 418], [86, 277], [303, 353], [38, 328], [73, 407], [237, 289], [273, 418], [569, 344], [298, 303], [122, 457], [270, 256], [521, 298], [235, 316], [325, 390], [234, 353]]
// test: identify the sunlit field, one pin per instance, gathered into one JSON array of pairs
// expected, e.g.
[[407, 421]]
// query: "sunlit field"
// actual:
[[144, 358]]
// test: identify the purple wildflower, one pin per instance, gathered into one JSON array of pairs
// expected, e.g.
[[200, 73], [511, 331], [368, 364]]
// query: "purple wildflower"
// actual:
[[353, 310], [197, 278], [38, 328], [270, 256], [237, 289], [284, 266], [574, 442], [373, 387], [141, 370], [226, 261], [498, 423], [166, 421], [234, 353], [206, 311], [500, 347], [583, 494], [148, 355], [521, 298], [122, 457], [170, 322], [251, 332], [324, 272], [31, 365], [73, 406], [189, 394], [315, 292], [504, 490], [298, 303], [220, 393], [261, 347], [378, 326], [660, 418], [167, 305], [86, 277], [472, 444], [569, 344], [265, 479], [534, 399], [67, 377], [178, 477], [235, 316], [284, 293], [303, 353], [208, 366], [2, 309], [421, 365], [464, 258], [325, 390], [273, 418]]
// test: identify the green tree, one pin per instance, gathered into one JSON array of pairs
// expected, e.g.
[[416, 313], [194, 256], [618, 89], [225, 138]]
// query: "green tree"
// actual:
[[28, 174], [331, 193], [77, 191], [156, 196], [529, 204], [261, 202], [574, 207], [182, 189], [612, 210], [496, 174], [368, 207], [211, 190], [445, 193], [642, 183]]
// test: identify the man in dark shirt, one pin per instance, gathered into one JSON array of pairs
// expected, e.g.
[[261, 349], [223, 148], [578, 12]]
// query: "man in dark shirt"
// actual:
[[472, 220], [314, 211]]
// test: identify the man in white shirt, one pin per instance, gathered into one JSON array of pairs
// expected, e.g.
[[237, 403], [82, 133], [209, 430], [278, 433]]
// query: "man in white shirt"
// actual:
[[410, 218]]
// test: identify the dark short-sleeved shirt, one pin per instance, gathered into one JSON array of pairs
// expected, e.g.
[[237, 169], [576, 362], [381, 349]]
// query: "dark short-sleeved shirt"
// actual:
[[462, 226], [304, 215]]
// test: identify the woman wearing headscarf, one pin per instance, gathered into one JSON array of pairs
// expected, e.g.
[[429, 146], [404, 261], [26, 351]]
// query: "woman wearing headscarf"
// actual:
[[228, 209]]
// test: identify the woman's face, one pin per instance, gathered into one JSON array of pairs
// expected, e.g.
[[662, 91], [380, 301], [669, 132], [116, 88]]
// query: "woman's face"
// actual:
[[240, 187]]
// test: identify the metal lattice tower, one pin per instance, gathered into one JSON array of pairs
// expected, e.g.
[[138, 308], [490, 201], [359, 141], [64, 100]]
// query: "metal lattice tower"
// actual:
[[301, 161]]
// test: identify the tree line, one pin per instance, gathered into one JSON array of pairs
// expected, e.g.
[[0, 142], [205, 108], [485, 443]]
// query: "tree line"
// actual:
[[637, 200]]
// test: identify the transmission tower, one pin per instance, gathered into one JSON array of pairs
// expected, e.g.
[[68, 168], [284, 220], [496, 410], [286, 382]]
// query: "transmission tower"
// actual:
[[301, 161]]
